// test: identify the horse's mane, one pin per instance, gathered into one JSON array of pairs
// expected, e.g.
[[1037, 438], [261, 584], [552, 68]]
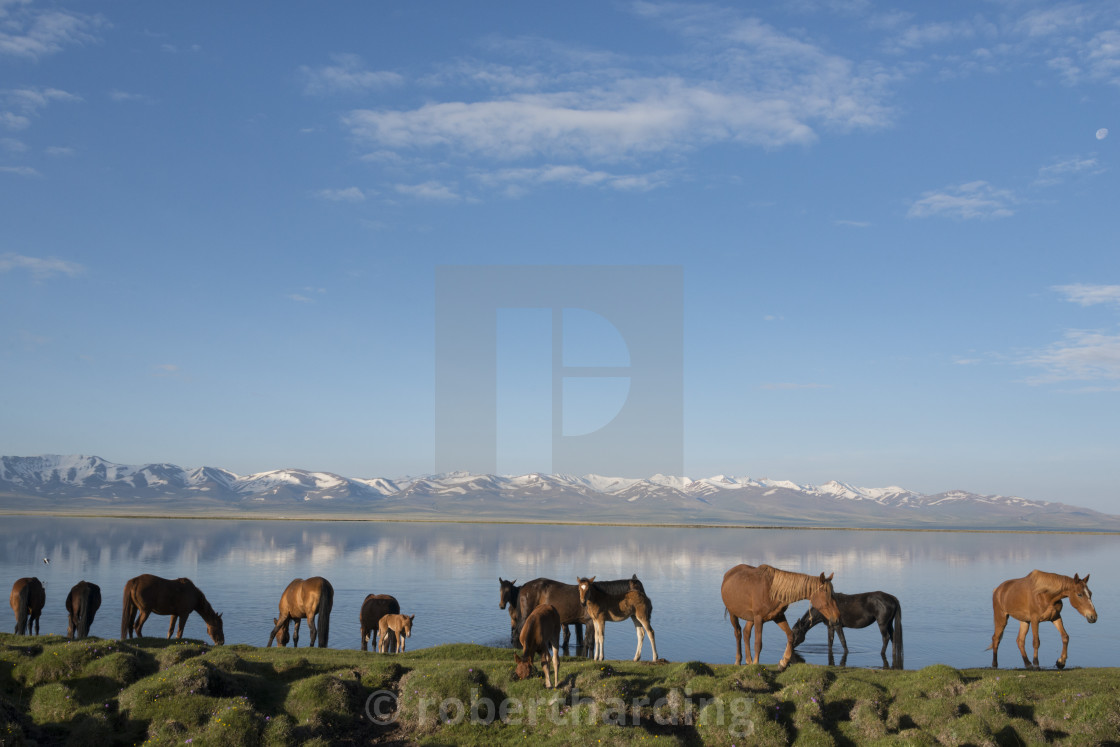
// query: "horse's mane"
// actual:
[[1049, 583], [787, 587]]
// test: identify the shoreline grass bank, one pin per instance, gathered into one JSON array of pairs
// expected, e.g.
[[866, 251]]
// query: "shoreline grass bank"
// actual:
[[155, 691]]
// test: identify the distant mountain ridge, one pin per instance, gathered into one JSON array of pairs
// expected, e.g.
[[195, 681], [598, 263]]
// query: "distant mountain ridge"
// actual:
[[79, 482]]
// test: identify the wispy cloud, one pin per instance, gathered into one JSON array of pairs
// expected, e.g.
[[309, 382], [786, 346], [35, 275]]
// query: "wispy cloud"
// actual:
[[348, 74], [853, 223], [972, 200], [39, 267], [348, 194], [20, 171], [515, 181], [1060, 170], [32, 33], [431, 190], [1082, 355], [785, 385], [18, 106], [1090, 295]]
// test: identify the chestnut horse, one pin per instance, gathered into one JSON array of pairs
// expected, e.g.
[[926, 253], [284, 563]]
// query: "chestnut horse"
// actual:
[[28, 599], [375, 607], [630, 605], [304, 598], [859, 611], [1035, 598], [146, 594], [540, 632], [392, 630], [82, 604], [760, 594]]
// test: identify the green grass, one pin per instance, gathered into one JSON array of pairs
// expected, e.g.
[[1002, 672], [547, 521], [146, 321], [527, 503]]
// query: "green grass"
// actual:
[[154, 691]]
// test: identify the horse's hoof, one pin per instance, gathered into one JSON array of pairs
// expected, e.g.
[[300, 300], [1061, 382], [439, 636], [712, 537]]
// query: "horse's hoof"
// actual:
[[1060, 664]]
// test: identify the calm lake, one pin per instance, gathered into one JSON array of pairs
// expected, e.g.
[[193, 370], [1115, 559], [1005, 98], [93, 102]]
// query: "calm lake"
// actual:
[[447, 575]]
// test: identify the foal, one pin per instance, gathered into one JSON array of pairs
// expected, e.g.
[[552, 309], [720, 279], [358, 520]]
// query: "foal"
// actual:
[[401, 627], [540, 632], [631, 605]]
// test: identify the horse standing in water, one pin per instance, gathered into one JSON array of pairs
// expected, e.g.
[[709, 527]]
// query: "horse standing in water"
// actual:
[[375, 607], [508, 592], [760, 594], [146, 594], [1035, 598], [540, 633], [82, 604], [28, 599], [305, 598], [859, 611]]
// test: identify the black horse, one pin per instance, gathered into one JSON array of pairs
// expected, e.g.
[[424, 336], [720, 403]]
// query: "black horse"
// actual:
[[859, 611]]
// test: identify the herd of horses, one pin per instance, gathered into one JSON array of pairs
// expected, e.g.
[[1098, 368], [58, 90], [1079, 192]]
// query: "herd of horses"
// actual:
[[543, 609]]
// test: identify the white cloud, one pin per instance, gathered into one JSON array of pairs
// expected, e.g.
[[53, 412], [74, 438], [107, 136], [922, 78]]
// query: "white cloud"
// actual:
[[1090, 295], [1082, 355], [12, 145], [977, 199], [27, 32], [517, 179], [19, 170], [431, 190], [348, 74], [1056, 172], [40, 268], [853, 223], [121, 96], [349, 194], [59, 151]]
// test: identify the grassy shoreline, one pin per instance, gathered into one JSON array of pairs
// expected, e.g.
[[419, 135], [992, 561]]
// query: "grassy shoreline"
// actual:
[[160, 692]]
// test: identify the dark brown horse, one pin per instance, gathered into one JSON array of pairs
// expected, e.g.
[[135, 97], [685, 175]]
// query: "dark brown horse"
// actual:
[[375, 607], [82, 604], [859, 611], [28, 599], [565, 598], [146, 595], [540, 633], [757, 595], [304, 598], [1035, 598], [633, 605], [508, 592]]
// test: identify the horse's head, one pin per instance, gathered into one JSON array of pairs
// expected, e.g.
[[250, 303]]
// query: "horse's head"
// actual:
[[406, 625], [282, 637], [801, 627], [507, 595], [1082, 599], [584, 587], [822, 600], [214, 629], [524, 668]]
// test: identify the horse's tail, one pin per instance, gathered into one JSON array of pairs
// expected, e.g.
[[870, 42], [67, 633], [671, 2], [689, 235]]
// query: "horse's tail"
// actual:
[[326, 601], [21, 609], [128, 610], [897, 638], [83, 612]]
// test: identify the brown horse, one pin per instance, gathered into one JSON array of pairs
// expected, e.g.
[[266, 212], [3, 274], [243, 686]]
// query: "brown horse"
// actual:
[[146, 594], [757, 595], [508, 592], [375, 607], [82, 604], [28, 599], [565, 598], [631, 605], [1035, 598], [540, 632], [304, 598], [391, 632]]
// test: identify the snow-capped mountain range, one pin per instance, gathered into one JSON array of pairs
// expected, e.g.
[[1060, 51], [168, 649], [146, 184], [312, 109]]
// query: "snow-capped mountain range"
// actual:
[[89, 483]]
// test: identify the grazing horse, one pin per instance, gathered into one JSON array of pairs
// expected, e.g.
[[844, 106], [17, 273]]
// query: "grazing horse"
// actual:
[[859, 611], [540, 632], [375, 607], [146, 594], [565, 598], [1035, 598], [631, 605], [82, 604], [28, 599], [304, 598], [760, 594], [396, 628]]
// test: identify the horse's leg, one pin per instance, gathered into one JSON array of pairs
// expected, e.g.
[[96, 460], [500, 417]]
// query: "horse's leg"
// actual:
[[567, 634], [738, 640], [1021, 640], [600, 639], [1001, 623], [641, 633], [171, 626], [885, 630], [311, 630], [840, 634], [140, 620], [757, 643], [1061, 663], [295, 638], [831, 634], [781, 620], [648, 625], [1036, 641]]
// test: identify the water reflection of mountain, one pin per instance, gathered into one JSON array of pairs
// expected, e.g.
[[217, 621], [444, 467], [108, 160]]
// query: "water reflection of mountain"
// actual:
[[78, 543]]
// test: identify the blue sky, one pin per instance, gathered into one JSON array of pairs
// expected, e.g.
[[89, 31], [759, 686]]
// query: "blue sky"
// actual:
[[897, 228]]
